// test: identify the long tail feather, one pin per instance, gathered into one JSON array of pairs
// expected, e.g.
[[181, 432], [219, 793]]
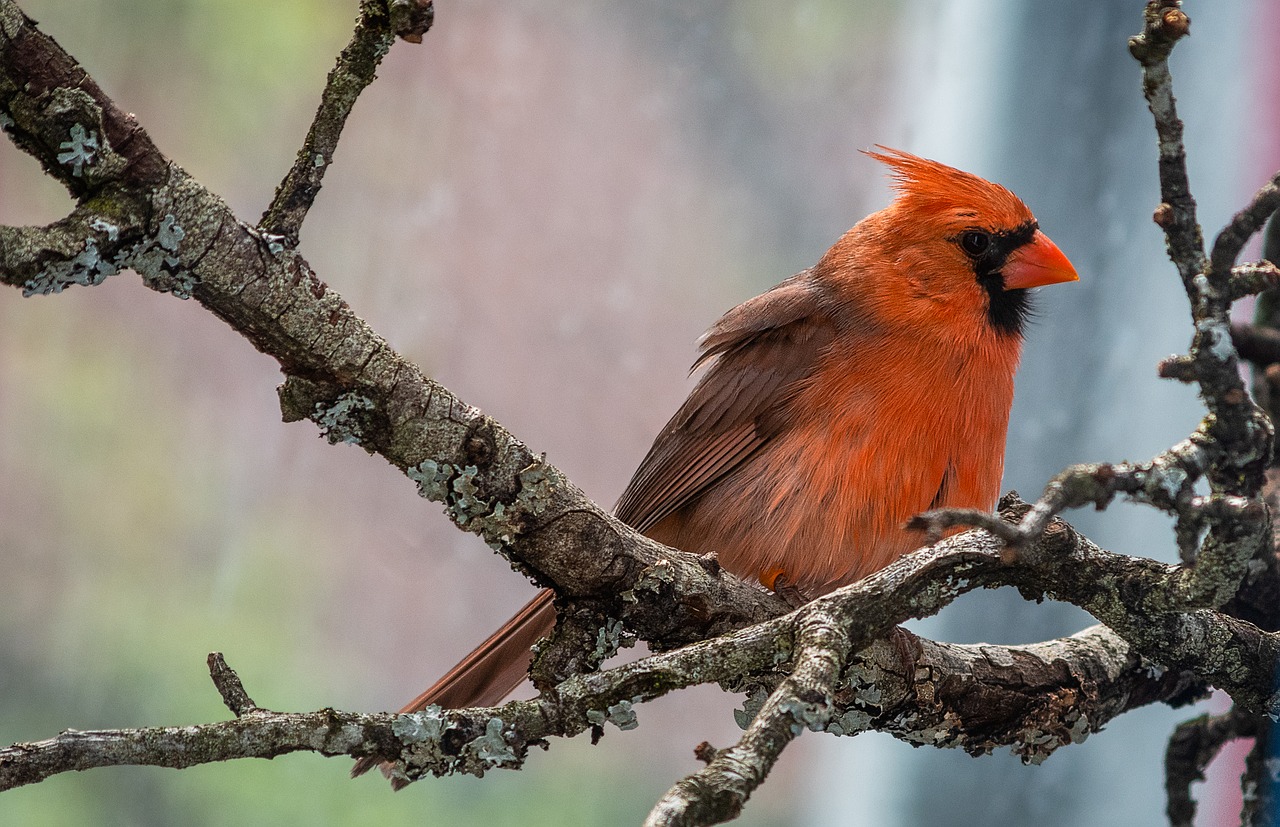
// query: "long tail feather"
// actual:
[[491, 672]]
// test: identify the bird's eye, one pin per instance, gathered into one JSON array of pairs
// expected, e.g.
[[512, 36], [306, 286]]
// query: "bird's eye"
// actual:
[[975, 242]]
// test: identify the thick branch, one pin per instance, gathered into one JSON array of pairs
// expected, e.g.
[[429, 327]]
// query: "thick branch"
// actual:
[[52, 109], [1219, 649], [1034, 698]]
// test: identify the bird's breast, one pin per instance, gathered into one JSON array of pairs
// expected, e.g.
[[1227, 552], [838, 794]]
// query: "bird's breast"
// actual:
[[868, 442]]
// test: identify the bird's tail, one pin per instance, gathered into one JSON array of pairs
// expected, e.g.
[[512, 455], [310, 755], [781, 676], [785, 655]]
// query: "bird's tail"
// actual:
[[492, 670]]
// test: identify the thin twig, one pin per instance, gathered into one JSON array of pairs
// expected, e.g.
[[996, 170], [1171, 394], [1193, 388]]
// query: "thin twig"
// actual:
[[230, 687], [1192, 747], [1165, 24], [355, 69], [1254, 277], [1243, 225], [719, 791], [1260, 345]]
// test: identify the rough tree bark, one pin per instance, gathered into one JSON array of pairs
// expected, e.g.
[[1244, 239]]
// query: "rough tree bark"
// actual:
[[837, 664]]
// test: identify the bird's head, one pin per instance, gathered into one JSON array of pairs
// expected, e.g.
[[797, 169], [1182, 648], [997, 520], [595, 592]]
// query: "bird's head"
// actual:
[[952, 247]]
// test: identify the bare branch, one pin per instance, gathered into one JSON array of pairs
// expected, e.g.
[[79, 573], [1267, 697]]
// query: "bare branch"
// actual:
[[1164, 24], [1242, 226], [1252, 278], [355, 69], [261, 735], [804, 700], [1033, 698], [229, 686], [1192, 747], [1260, 345]]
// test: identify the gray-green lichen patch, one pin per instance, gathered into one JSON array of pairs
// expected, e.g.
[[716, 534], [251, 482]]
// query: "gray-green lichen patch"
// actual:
[[275, 243], [851, 722], [458, 488], [492, 749], [651, 579], [863, 681], [943, 733], [495, 526], [432, 478], [87, 268], [81, 151], [343, 421], [416, 727], [609, 639], [655, 576], [423, 734], [804, 715], [622, 714], [750, 708], [1034, 744], [465, 503], [156, 259], [5, 120], [536, 488]]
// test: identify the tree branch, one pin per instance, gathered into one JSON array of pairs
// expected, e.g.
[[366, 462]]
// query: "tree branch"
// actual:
[[1033, 698], [803, 700], [1260, 345], [1192, 747], [355, 69], [228, 684], [1164, 25], [1243, 225]]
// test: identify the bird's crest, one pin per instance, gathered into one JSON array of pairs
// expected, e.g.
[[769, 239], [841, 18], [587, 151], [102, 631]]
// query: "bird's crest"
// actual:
[[939, 189]]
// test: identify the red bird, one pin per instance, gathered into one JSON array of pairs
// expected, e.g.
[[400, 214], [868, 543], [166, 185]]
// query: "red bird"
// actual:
[[864, 390]]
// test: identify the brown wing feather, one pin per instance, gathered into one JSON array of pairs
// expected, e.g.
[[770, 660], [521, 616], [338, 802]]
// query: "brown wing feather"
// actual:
[[762, 350]]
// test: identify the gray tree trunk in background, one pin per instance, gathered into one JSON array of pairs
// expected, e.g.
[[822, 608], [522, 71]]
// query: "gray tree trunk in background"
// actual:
[[1046, 100]]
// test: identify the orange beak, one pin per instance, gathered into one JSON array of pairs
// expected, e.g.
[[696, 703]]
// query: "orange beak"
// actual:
[[1036, 264]]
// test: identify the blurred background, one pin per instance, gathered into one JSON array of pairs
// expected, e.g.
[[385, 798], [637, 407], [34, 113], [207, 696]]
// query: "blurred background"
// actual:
[[543, 206]]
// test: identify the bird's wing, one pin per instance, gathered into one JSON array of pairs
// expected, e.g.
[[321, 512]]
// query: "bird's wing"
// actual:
[[760, 353]]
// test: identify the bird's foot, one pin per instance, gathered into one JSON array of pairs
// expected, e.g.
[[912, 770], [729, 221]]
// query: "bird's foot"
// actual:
[[776, 581]]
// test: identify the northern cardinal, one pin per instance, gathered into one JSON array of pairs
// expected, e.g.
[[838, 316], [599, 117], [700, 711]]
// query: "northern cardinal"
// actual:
[[866, 389]]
